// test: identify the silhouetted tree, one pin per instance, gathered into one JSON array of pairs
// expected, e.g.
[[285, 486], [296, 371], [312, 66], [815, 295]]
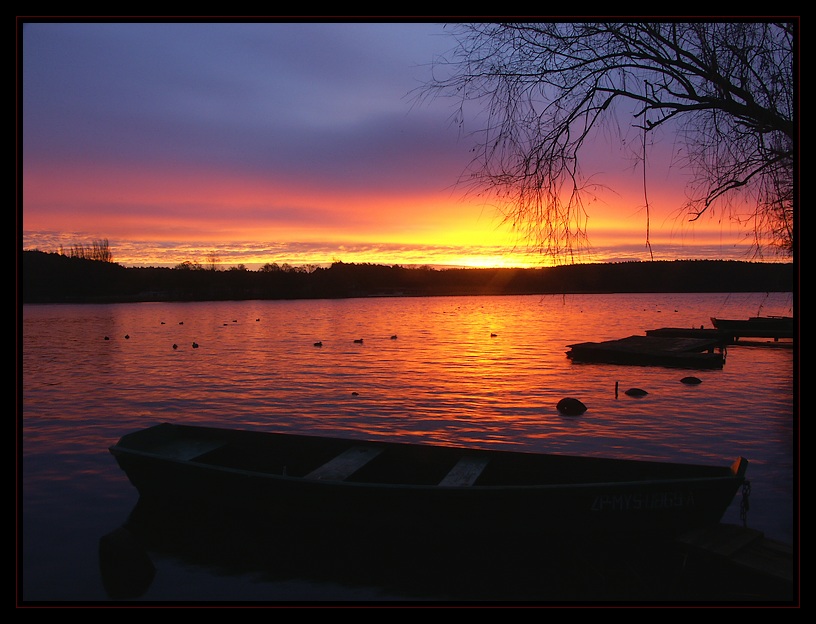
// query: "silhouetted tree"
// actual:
[[213, 260], [189, 265], [725, 90], [99, 251]]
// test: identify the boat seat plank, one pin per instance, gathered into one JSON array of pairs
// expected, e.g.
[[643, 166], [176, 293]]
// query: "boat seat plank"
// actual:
[[188, 449], [465, 472], [345, 464]]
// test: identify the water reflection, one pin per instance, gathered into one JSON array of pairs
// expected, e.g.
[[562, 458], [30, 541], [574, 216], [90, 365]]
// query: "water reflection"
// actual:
[[431, 563], [125, 565]]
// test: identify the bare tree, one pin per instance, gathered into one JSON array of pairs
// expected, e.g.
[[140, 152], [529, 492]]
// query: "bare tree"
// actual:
[[724, 90], [213, 259], [99, 251]]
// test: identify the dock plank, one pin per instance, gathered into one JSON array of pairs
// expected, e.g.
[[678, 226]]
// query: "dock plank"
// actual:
[[725, 337]]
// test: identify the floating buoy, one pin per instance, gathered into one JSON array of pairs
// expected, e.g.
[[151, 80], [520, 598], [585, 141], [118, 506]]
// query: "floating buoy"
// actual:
[[691, 380], [636, 392], [571, 407]]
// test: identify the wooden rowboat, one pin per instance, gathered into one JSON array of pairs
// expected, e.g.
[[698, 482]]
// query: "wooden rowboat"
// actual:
[[755, 326], [449, 488]]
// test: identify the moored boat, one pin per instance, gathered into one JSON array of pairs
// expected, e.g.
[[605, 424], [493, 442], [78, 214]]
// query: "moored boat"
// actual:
[[446, 488], [756, 326]]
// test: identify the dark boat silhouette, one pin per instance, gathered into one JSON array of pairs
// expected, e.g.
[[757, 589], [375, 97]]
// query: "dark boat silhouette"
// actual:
[[401, 484]]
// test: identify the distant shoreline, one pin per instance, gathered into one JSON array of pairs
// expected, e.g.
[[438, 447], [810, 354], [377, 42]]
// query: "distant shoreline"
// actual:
[[54, 278]]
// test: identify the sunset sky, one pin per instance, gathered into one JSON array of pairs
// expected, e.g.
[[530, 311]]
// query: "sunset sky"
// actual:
[[297, 143]]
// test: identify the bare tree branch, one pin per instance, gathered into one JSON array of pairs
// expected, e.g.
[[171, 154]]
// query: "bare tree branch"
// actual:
[[725, 89]]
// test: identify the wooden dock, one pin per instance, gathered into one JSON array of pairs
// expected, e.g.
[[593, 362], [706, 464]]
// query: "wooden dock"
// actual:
[[683, 332], [777, 339], [674, 351]]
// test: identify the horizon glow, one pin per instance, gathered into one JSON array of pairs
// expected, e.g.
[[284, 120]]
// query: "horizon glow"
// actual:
[[291, 144]]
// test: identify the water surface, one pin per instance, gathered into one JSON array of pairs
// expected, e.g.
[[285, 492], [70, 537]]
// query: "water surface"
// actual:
[[479, 371]]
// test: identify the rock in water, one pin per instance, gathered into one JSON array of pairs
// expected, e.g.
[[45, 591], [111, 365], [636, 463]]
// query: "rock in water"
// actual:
[[571, 407], [636, 392], [691, 380]]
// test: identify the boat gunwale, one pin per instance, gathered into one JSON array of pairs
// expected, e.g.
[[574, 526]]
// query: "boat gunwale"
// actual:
[[216, 468]]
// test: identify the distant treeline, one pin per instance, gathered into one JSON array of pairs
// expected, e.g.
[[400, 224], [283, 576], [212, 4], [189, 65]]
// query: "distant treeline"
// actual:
[[56, 278]]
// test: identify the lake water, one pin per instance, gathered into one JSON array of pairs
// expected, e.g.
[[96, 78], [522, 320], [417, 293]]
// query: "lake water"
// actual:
[[480, 371]]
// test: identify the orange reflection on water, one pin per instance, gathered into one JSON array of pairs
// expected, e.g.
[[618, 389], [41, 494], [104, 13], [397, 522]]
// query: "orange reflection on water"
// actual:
[[458, 370]]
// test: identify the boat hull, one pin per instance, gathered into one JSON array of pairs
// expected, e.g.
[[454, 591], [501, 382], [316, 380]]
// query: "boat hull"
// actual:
[[515, 492], [755, 327]]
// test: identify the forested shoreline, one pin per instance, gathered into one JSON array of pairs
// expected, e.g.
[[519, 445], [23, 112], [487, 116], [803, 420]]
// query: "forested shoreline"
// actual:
[[56, 278]]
